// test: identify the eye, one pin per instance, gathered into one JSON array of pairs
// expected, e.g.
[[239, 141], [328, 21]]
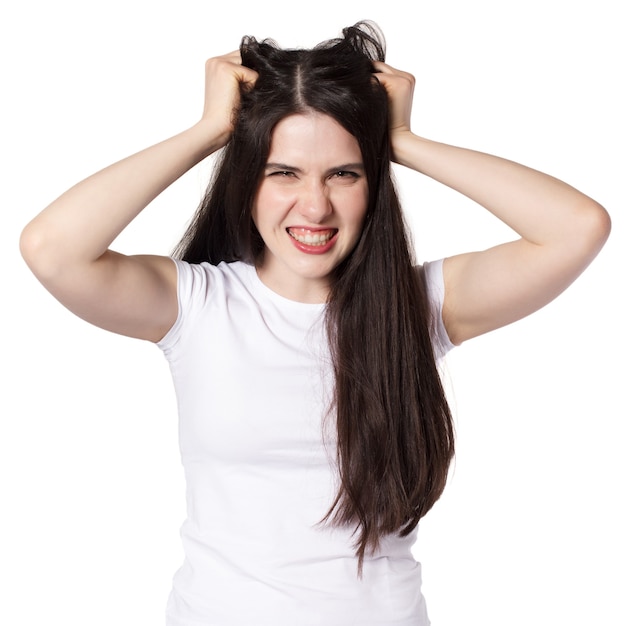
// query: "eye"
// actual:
[[346, 175], [281, 173]]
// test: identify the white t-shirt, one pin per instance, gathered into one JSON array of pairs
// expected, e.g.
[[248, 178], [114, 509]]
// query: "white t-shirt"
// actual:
[[253, 382]]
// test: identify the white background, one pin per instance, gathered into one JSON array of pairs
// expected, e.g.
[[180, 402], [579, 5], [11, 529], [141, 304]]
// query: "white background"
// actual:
[[530, 529]]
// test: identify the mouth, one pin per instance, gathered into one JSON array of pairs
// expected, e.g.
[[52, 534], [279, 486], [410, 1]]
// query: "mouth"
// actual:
[[312, 237]]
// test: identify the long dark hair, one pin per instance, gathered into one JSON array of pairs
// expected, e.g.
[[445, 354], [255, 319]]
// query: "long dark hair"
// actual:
[[394, 429]]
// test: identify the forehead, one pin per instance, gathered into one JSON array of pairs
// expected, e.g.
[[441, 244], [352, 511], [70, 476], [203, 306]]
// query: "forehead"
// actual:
[[313, 136]]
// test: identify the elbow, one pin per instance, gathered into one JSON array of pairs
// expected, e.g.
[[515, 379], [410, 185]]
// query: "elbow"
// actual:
[[581, 237], [36, 250], [582, 233], [30, 244], [596, 228]]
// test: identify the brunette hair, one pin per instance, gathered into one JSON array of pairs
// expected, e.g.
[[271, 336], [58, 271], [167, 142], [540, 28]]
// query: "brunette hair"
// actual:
[[394, 429]]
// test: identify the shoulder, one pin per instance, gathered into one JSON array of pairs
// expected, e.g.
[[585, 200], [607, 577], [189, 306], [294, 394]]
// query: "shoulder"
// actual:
[[199, 280], [204, 289]]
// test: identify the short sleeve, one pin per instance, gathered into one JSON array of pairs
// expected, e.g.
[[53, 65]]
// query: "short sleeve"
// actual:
[[433, 274], [194, 285]]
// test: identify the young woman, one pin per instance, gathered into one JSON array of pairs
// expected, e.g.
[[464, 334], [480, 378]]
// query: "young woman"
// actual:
[[302, 338]]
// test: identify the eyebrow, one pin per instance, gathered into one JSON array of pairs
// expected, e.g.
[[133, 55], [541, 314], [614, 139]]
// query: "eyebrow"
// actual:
[[297, 170]]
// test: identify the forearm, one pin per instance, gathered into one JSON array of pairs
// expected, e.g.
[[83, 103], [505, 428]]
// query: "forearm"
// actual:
[[540, 208], [560, 229], [80, 225]]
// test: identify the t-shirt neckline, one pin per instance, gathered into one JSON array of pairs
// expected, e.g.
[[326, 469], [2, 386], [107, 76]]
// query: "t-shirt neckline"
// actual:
[[264, 291]]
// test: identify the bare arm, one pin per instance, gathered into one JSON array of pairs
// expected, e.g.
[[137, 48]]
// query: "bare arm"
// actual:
[[67, 244], [560, 229]]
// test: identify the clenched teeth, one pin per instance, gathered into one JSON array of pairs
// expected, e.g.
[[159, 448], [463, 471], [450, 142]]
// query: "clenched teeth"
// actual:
[[313, 239]]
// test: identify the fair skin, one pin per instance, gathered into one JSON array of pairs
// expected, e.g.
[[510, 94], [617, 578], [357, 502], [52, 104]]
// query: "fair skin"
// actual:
[[560, 229], [67, 245], [310, 206]]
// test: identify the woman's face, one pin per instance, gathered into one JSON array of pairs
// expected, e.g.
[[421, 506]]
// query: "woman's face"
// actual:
[[310, 205]]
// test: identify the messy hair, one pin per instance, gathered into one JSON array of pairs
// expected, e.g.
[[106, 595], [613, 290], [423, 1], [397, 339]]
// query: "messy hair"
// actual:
[[394, 429]]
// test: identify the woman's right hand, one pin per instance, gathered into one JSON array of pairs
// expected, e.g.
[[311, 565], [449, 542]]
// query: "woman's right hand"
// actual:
[[224, 77]]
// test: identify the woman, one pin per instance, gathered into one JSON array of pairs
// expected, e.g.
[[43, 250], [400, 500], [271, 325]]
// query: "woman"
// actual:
[[302, 339]]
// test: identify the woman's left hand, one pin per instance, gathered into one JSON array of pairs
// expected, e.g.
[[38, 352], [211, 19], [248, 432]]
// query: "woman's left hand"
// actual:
[[399, 86]]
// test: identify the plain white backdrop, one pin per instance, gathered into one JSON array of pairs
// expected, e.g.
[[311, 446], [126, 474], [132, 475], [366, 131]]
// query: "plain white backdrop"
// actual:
[[530, 529]]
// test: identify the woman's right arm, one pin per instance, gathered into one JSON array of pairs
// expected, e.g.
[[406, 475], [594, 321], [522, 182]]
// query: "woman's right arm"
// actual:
[[67, 244]]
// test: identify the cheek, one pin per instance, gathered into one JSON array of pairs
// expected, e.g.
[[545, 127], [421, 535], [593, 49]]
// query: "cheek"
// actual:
[[259, 211], [359, 208], [269, 204]]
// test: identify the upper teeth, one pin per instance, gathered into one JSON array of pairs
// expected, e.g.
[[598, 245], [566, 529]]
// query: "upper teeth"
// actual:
[[314, 239]]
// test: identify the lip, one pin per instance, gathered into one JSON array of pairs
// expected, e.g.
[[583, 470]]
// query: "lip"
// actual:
[[309, 248]]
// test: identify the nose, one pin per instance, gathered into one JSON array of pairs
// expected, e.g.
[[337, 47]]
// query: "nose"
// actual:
[[314, 203]]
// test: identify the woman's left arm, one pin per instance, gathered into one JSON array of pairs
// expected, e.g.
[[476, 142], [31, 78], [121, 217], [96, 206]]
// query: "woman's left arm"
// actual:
[[561, 230]]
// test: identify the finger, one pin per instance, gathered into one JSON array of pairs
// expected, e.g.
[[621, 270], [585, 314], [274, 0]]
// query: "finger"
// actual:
[[387, 80], [246, 76], [383, 68]]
